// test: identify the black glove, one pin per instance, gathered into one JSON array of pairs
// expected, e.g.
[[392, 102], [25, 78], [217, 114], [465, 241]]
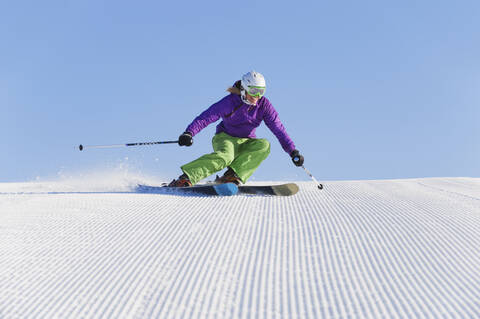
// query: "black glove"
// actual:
[[185, 139], [297, 159]]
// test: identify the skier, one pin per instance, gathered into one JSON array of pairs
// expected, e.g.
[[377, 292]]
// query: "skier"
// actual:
[[235, 144]]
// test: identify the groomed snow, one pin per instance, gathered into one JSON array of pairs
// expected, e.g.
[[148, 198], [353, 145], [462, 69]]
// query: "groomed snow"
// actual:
[[357, 249]]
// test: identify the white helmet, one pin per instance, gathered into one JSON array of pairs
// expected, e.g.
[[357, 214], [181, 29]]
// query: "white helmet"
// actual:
[[254, 84]]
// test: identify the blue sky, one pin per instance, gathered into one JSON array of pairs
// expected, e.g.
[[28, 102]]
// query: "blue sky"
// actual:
[[367, 90]]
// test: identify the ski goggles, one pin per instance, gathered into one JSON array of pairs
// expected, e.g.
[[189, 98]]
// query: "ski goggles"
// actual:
[[256, 91]]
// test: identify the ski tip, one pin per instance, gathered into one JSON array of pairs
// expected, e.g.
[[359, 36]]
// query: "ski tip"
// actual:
[[286, 189], [228, 189]]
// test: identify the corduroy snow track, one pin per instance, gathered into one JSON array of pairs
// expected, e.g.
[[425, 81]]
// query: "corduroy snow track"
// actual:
[[357, 249]]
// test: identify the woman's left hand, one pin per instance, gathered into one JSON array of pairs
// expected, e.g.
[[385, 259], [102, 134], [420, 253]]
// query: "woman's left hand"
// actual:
[[297, 159]]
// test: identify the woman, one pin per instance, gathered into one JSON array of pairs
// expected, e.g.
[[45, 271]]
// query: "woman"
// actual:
[[235, 144]]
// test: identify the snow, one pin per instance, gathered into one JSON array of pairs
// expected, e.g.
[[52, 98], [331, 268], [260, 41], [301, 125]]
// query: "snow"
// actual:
[[357, 249]]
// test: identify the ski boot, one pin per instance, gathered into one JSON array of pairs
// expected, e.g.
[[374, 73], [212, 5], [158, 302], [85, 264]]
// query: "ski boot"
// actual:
[[229, 177], [182, 181]]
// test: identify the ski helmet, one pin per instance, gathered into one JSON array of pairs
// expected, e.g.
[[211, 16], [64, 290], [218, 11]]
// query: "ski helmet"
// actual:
[[254, 84]]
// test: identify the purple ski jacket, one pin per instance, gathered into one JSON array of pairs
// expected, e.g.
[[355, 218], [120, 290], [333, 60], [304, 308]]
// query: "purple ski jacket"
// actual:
[[240, 119]]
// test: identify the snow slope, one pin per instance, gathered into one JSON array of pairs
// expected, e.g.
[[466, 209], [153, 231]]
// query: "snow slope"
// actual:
[[357, 249]]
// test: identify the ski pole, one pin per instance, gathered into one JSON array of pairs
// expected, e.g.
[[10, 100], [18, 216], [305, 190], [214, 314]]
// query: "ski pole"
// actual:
[[82, 147], [320, 186]]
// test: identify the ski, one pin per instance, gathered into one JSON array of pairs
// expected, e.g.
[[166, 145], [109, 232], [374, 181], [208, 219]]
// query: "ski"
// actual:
[[277, 190], [228, 189]]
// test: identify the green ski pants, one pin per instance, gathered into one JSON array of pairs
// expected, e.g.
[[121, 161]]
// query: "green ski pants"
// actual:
[[243, 155]]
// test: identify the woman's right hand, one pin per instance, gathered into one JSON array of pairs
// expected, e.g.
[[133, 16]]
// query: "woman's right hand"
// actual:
[[185, 139]]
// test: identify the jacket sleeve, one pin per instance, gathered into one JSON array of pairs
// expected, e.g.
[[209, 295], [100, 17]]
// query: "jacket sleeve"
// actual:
[[275, 125], [210, 115]]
